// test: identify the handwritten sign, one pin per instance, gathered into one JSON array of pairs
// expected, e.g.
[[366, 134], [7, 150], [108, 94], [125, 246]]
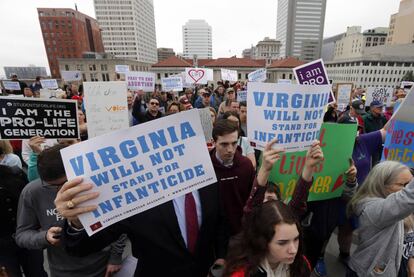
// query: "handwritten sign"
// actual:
[[343, 95], [399, 143], [28, 117], [404, 111], [206, 123], [259, 75], [242, 95], [71, 75], [141, 167], [229, 75], [121, 68], [172, 84], [382, 94], [11, 85], [328, 180], [291, 113], [49, 83], [198, 75], [313, 73], [140, 80], [106, 107]]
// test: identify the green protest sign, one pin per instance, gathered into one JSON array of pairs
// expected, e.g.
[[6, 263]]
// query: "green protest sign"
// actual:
[[337, 141]]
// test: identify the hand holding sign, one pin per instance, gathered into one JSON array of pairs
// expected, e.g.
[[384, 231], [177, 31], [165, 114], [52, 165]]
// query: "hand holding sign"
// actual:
[[314, 157], [270, 156], [68, 198], [351, 172]]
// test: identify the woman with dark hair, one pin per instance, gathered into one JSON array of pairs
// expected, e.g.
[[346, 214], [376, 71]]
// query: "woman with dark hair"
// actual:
[[269, 245]]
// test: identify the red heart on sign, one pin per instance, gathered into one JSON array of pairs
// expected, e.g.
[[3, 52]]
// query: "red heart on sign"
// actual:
[[338, 183], [196, 74]]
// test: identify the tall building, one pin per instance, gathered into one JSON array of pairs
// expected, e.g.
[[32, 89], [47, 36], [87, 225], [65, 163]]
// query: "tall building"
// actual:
[[197, 40], [268, 49], [401, 24], [299, 27], [67, 34], [25, 72], [165, 53], [128, 28], [328, 47], [353, 43]]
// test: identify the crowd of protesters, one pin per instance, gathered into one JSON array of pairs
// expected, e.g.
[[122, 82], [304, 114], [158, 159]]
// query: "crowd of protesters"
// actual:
[[238, 226]]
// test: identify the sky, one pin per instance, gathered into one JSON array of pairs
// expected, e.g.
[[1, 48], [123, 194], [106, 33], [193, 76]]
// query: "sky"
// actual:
[[236, 24]]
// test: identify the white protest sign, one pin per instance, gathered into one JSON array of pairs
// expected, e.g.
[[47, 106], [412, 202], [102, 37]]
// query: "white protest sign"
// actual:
[[206, 123], [382, 94], [140, 80], [11, 85], [47, 93], [343, 95], [258, 75], [71, 75], [106, 107], [228, 75], [284, 81], [49, 83], [405, 109], [242, 95], [198, 75], [291, 113], [172, 84], [141, 167], [121, 68]]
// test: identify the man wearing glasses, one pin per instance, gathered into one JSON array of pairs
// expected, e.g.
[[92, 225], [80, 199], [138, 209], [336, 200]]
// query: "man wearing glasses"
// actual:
[[153, 110]]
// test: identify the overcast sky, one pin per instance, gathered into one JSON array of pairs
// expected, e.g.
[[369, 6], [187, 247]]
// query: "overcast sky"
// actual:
[[237, 24]]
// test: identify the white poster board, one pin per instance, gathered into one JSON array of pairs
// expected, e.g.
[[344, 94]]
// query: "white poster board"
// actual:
[[49, 83], [242, 95], [229, 75], [198, 75], [137, 80], [106, 107], [172, 84], [121, 68], [259, 75], [382, 94], [291, 113], [11, 85], [71, 75], [141, 167], [343, 95], [405, 109]]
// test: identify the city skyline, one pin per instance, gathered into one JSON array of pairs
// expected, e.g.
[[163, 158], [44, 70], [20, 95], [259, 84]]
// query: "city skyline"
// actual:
[[234, 28]]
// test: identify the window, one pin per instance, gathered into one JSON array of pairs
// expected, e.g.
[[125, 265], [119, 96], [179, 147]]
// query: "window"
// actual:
[[92, 67], [239, 75], [66, 67], [104, 67], [166, 75], [158, 75]]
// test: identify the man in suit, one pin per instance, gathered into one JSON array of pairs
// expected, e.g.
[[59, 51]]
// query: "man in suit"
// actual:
[[182, 237]]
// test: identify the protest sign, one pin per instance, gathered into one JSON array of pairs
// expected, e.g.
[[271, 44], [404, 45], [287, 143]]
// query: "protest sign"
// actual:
[[206, 123], [172, 84], [46, 93], [407, 85], [141, 167], [404, 112], [71, 75], [140, 80], [121, 68], [382, 94], [259, 75], [49, 83], [242, 95], [343, 95], [328, 179], [11, 85], [284, 81], [399, 144], [291, 113], [313, 73], [28, 117], [198, 75], [229, 75], [106, 107]]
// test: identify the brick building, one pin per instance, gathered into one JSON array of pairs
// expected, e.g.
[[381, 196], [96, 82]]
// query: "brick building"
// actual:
[[68, 33]]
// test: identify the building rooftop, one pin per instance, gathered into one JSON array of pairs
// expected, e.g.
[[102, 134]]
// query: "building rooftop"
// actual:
[[289, 62], [173, 61], [236, 62]]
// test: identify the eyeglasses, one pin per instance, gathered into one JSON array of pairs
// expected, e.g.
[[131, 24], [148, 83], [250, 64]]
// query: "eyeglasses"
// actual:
[[154, 103], [206, 95]]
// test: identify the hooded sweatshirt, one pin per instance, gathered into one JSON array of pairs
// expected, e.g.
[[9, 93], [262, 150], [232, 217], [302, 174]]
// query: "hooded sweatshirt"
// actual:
[[36, 214]]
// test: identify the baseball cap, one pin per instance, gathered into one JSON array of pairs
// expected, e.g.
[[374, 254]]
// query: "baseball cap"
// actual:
[[376, 104], [206, 92], [358, 106]]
